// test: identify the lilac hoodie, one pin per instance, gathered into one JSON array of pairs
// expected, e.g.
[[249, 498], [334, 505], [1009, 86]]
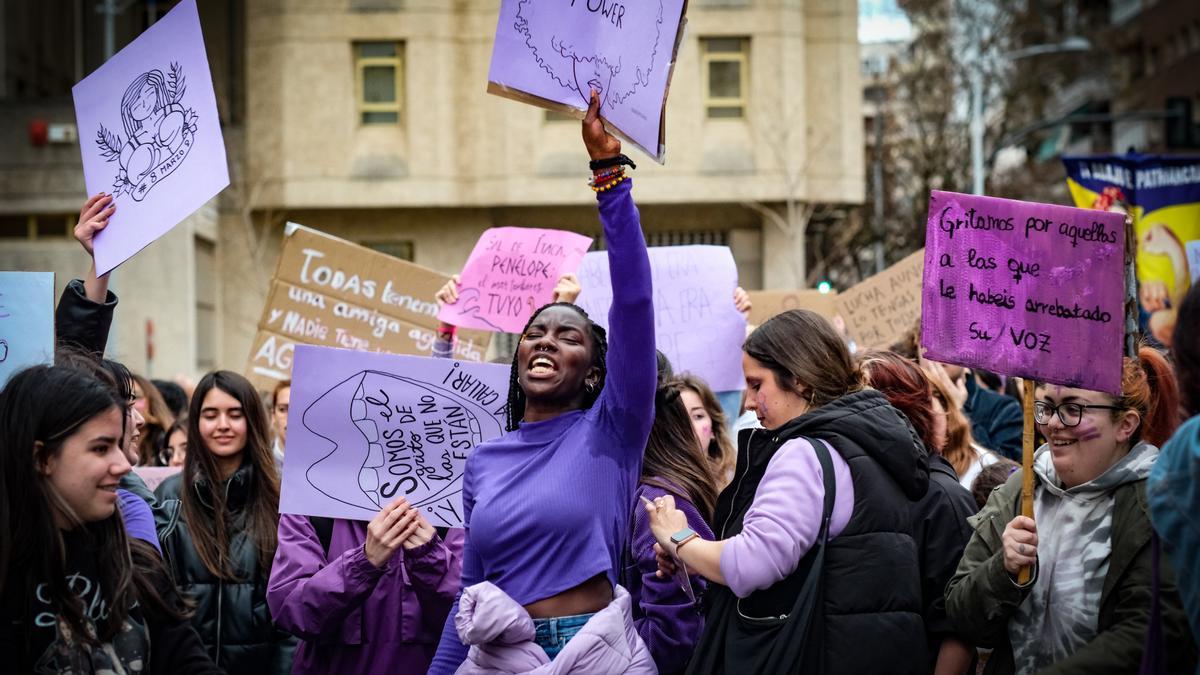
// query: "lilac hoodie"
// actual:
[[353, 617], [500, 635]]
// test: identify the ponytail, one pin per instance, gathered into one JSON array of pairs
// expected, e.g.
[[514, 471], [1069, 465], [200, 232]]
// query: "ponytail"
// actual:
[[1149, 387]]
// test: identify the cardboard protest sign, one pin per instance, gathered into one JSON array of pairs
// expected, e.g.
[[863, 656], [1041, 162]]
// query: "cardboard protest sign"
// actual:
[[696, 324], [552, 54], [880, 309], [150, 135], [1031, 290], [328, 291], [369, 428], [767, 304], [26, 321], [512, 272]]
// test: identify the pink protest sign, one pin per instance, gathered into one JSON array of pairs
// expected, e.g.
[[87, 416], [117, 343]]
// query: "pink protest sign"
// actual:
[[150, 135], [367, 428], [512, 272], [1032, 290]]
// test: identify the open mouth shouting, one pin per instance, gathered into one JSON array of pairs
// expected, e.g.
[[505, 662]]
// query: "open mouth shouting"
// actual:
[[541, 365]]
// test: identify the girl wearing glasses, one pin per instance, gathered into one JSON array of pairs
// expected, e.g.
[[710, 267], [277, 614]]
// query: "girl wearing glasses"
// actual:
[[1088, 603]]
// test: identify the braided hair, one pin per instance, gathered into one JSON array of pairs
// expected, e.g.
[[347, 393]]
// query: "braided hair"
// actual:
[[516, 396]]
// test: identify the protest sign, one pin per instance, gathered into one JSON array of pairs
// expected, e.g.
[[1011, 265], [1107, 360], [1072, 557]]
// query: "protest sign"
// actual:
[[153, 476], [767, 304], [150, 135], [328, 291], [695, 322], [370, 428], [552, 54], [1031, 290], [26, 321], [512, 272], [879, 310]]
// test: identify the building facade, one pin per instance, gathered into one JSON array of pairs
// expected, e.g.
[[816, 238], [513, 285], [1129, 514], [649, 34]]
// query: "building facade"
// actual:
[[368, 119]]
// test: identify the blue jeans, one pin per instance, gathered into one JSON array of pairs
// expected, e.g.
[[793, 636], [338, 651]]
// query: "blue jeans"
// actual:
[[553, 634]]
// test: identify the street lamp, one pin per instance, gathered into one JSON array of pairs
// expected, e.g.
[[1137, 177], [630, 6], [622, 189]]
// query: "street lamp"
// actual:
[[1072, 44]]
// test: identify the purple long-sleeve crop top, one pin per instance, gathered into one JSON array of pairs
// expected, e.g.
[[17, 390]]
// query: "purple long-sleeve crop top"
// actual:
[[546, 507]]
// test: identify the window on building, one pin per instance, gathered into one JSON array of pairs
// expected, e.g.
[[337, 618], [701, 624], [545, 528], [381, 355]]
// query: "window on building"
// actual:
[[37, 226], [726, 64], [379, 70], [397, 249], [206, 304]]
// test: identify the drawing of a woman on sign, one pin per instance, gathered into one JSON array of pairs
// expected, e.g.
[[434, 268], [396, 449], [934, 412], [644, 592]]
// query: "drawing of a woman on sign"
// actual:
[[615, 67], [159, 132]]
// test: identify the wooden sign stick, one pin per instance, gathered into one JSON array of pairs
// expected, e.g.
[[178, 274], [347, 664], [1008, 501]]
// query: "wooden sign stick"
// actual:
[[1027, 468]]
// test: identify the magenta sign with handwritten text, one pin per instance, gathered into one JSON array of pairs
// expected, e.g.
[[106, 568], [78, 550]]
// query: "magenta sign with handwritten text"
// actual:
[[367, 428], [1024, 289], [512, 272]]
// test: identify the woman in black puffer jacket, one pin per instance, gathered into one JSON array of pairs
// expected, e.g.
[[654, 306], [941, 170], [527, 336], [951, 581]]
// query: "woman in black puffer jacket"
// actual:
[[217, 522]]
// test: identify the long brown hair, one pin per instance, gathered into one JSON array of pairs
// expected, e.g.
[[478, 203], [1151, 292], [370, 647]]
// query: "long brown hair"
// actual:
[[722, 453], [260, 518], [960, 449], [158, 418], [801, 346], [674, 459]]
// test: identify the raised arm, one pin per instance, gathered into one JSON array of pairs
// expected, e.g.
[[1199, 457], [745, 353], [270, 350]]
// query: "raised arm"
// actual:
[[85, 310], [631, 366]]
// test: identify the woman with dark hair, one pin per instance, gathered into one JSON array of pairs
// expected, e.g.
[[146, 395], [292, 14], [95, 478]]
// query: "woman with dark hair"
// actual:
[[820, 499], [940, 517], [666, 614], [77, 594], [1087, 605], [708, 420], [217, 523], [153, 409], [1174, 485], [546, 506], [174, 450]]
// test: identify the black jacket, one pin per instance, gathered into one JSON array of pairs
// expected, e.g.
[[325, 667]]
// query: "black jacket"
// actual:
[[232, 617], [81, 323], [872, 583], [941, 530]]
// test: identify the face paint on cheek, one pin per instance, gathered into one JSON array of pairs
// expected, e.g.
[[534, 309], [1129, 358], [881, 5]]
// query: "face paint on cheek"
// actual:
[[1088, 431], [761, 402]]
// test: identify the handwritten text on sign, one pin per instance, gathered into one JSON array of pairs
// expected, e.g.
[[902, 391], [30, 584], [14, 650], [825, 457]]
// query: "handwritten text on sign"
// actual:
[[511, 273], [1024, 289], [375, 427], [696, 323]]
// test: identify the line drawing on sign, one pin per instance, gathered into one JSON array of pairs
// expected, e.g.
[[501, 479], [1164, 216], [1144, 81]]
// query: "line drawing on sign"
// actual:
[[615, 76], [159, 132], [396, 436]]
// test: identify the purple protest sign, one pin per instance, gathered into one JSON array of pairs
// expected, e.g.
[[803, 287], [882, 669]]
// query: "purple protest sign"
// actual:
[[553, 54], [512, 272], [695, 321], [374, 427], [149, 134], [1032, 290]]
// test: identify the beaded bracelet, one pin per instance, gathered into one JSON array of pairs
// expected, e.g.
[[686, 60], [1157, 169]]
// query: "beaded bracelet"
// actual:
[[610, 185], [605, 176]]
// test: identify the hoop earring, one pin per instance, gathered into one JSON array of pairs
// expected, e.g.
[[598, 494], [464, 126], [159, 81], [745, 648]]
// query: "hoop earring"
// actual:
[[589, 387]]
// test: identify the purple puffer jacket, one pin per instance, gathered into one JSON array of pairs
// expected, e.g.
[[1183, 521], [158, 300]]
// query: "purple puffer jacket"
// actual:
[[353, 617], [500, 635]]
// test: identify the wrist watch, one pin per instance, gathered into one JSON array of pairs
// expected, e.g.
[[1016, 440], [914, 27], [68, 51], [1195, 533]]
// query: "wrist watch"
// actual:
[[683, 536]]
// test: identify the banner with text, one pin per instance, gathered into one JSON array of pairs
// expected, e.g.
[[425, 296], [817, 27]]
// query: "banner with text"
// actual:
[[879, 310], [1162, 195], [331, 292], [769, 303], [696, 323], [26, 321], [1032, 290], [511, 272], [370, 428]]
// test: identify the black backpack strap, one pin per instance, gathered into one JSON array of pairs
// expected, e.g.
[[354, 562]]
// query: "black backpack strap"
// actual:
[[324, 529], [830, 483]]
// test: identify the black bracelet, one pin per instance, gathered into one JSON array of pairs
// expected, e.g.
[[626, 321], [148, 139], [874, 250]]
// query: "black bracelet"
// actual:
[[607, 162]]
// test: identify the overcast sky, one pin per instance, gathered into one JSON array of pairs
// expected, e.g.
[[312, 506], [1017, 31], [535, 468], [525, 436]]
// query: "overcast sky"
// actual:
[[881, 21]]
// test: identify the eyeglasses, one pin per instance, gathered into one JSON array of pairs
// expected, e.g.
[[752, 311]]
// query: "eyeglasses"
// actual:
[[1070, 414]]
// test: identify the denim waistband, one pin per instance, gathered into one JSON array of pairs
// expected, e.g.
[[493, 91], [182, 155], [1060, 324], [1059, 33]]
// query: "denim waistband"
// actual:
[[553, 634]]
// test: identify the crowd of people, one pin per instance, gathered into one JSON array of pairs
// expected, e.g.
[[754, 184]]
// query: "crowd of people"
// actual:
[[866, 519]]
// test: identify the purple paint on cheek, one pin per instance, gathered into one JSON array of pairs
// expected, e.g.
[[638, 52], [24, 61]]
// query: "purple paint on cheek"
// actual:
[[1088, 431], [761, 402]]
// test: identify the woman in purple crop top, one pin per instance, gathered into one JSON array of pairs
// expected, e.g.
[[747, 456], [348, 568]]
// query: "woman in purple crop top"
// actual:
[[546, 506]]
